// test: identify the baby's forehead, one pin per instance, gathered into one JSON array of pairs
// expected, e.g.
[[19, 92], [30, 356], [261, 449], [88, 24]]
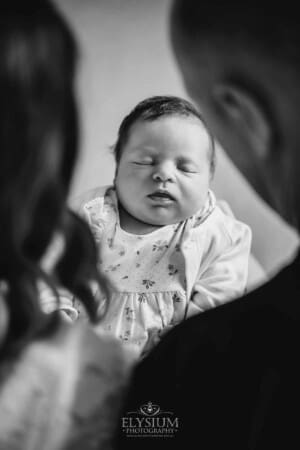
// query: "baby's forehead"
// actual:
[[166, 125], [180, 135]]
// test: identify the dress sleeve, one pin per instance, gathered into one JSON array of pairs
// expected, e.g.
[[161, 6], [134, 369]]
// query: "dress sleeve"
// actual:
[[225, 272]]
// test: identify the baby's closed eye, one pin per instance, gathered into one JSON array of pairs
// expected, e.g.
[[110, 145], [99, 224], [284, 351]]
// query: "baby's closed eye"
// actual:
[[187, 168], [143, 163], [143, 160]]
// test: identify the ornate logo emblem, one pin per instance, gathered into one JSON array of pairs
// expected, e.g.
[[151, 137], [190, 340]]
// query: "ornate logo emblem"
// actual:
[[149, 409]]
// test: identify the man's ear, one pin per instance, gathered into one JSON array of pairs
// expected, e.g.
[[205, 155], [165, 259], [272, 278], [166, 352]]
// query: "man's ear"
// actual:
[[244, 113]]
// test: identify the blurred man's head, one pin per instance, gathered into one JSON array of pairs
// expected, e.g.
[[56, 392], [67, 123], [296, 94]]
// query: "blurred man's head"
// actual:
[[241, 63]]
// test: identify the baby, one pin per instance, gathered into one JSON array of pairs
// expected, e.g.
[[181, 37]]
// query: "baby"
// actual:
[[166, 247]]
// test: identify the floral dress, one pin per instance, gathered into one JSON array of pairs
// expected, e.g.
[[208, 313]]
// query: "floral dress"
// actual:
[[160, 278], [147, 272]]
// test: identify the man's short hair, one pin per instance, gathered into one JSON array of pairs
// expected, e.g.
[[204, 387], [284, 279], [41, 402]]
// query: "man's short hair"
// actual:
[[272, 30]]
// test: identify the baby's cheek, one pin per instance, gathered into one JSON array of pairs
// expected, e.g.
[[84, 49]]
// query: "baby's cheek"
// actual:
[[193, 203]]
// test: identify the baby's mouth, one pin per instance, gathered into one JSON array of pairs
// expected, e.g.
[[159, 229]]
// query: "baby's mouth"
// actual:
[[161, 196]]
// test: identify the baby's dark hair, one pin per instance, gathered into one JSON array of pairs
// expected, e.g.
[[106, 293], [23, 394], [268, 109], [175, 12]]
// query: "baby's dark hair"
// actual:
[[154, 108]]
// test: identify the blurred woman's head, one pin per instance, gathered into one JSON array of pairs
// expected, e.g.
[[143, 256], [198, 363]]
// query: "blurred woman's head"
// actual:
[[38, 135], [38, 148]]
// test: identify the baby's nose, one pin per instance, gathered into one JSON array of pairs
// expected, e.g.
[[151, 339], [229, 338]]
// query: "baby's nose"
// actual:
[[163, 174]]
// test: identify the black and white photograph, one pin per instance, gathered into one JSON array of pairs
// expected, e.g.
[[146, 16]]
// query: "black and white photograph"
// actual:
[[150, 216]]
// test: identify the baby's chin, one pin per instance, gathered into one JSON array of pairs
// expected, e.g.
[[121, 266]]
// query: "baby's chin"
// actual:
[[164, 221], [162, 216], [140, 220]]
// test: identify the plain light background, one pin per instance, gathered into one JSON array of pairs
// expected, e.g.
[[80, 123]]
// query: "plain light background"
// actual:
[[125, 56]]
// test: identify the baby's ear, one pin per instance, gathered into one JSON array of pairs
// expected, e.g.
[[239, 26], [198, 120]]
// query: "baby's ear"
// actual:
[[244, 113], [115, 176], [112, 149]]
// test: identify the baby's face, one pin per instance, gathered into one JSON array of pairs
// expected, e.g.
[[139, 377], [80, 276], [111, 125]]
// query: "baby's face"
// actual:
[[164, 172]]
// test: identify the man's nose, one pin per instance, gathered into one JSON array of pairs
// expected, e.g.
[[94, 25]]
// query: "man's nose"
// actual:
[[163, 173]]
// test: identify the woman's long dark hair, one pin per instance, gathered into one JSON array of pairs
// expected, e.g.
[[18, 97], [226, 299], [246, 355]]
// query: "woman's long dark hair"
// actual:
[[38, 149]]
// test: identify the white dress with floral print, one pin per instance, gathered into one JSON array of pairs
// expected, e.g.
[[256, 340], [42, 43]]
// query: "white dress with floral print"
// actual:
[[162, 277], [147, 272]]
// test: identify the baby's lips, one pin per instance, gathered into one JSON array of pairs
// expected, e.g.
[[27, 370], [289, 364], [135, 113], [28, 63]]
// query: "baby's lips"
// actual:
[[162, 194]]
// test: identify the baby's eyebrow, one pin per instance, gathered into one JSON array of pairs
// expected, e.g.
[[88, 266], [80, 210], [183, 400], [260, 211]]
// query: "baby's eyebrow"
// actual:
[[143, 152], [148, 150], [185, 160]]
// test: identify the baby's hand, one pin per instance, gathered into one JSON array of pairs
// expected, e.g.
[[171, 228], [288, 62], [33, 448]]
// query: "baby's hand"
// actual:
[[69, 314], [198, 304]]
